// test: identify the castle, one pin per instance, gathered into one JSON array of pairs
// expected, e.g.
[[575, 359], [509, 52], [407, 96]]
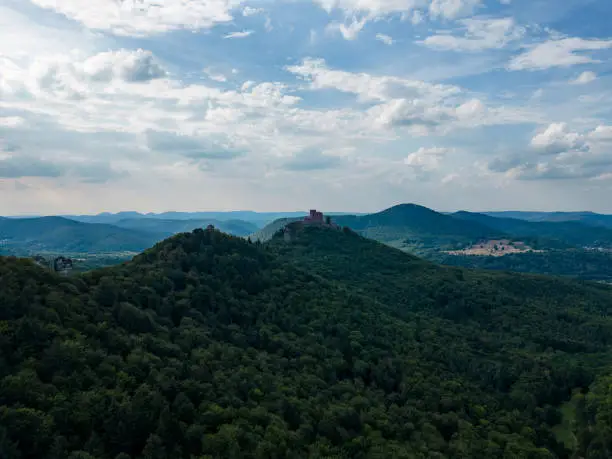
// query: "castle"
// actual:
[[314, 218]]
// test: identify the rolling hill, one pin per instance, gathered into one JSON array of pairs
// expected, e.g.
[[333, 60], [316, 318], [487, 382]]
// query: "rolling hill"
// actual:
[[414, 224], [405, 225], [329, 346], [65, 235], [587, 218], [572, 233]]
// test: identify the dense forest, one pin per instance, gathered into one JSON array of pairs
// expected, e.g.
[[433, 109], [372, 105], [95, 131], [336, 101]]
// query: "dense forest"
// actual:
[[329, 346], [583, 264]]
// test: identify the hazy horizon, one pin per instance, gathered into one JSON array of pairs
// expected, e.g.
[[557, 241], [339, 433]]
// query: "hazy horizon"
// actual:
[[24, 215]]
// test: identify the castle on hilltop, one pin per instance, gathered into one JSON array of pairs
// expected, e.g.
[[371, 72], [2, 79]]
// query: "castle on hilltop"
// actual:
[[314, 218]]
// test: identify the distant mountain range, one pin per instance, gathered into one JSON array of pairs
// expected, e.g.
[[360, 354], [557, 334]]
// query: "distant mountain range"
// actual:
[[417, 228], [24, 235], [410, 227], [257, 218], [587, 218], [59, 234]]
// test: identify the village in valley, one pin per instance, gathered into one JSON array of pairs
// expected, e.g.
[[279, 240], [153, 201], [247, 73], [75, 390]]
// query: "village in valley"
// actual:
[[495, 248]]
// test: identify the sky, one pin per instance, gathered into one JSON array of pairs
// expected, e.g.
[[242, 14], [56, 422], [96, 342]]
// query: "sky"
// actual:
[[278, 105]]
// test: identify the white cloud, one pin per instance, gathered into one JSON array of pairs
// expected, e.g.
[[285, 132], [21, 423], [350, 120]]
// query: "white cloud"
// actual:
[[64, 97], [478, 34], [386, 39], [451, 9], [366, 86], [557, 138], [562, 155], [423, 108], [409, 9], [132, 66], [427, 158], [218, 77], [424, 117], [144, 17], [242, 34], [350, 31], [601, 133], [564, 52], [250, 11], [585, 78]]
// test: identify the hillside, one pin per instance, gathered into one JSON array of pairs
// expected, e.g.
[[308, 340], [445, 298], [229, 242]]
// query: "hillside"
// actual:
[[587, 218], [59, 234], [572, 233], [580, 264], [170, 227], [330, 346], [407, 226]]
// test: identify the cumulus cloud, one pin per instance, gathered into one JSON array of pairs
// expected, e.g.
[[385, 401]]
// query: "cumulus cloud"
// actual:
[[585, 78], [557, 138], [165, 122], [144, 17], [601, 134], [427, 158], [478, 34], [366, 86], [564, 52], [126, 65], [386, 39], [560, 154], [425, 117], [403, 103]]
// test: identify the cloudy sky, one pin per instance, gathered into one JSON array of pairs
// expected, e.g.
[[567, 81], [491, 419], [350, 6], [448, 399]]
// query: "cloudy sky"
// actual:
[[353, 105]]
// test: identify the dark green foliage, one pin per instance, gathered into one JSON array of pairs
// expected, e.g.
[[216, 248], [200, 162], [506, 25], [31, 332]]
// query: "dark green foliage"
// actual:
[[206, 346], [573, 233], [583, 264], [594, 421]]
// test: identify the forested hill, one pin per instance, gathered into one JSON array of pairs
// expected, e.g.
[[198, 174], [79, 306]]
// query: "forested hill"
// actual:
[[206, 346], [62, 234], [404, 225], [574, 233]]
